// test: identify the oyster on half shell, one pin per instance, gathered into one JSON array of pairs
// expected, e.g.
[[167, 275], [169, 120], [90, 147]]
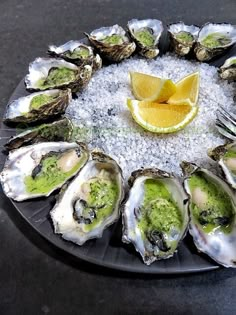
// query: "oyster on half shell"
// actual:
[[38, 106], [112, 43], [212, 214], [77, 53], [50, 73], [155, 215], [214, 39], [91, 202], [228, 70], [146, 34], [182, 37], [39, 169]]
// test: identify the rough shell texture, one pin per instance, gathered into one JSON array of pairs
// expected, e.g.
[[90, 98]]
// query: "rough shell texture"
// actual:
[[19, 110], [112, 52], [59, 130], [228, 69], [218, 245], [204, 53], [62, 213], [21, 162], [131, 231], [40, 68], [155, 26]]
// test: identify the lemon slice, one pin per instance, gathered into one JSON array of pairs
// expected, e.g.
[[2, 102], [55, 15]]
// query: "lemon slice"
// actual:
[[161, 118], [187, 91], [149, 88]]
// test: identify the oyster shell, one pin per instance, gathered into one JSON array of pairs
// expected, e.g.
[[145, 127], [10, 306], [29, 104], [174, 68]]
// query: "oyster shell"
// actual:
[[38, 106], [214, 39], [228, 70], [225, 155], [59, 130], [77, 53], [112, 43], [39, 169], [155, 215], [182, 37], [146, 34], [212, 214], [49, 73], [91, 201]]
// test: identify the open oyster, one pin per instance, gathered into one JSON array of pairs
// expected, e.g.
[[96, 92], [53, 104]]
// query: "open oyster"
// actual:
[[77, 53], [39, 169], [49, 73], [225, 155], [91, 202], [228, 69], [38, 106], [155, 215], [214, 39], [112, 43], [146, 34], [212, 214], [182, 37], [59, 130]]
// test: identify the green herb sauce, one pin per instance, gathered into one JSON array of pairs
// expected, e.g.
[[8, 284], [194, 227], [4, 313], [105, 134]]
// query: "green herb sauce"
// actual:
[[57, 76], [81, 52], [184, 37], [145, 37], [215, 40], [114, 39], [39, 100]]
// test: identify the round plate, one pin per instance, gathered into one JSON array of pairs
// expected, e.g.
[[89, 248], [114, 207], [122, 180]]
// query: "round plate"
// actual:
[[109, 251]]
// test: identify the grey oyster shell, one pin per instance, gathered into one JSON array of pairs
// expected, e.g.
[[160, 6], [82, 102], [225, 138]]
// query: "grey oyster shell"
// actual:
[[226, 161], [131, 216], [180, 46], [155, 28], [111, 52], [40, 68], [65, 217], [217, 244], [59, 130], [228, 70], [20, 110], [205, 53], [27, 162], [66, 50]]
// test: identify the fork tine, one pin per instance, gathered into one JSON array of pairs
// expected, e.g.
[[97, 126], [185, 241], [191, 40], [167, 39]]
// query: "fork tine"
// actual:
[[231, 125], [225, 133], [230, 116]]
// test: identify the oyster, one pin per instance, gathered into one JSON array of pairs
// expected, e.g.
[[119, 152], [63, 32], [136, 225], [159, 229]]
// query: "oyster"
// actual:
[[225, 155], [112, 43], [39, 169], [59, 130], [91, 202], [155, 215], [49, 73], [146, 34], [182, 37], [77, 53], [214, 39], [212, 214], [38, 106], [228, 69]]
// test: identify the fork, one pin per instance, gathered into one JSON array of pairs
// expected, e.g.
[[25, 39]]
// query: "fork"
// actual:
[[226, 123]]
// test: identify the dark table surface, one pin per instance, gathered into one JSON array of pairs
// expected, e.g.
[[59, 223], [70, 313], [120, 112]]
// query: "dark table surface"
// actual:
[[35, 277]]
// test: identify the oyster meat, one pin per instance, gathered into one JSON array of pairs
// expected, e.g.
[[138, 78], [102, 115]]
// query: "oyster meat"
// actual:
[[91, 202], [39, 169], [212, 214], [77, 53], [59, 130], [225, 155], [155, 215], [228, 69], [49, 73], [146, 34], [213, 40], [38, 106], [182, 37], [112, 43]]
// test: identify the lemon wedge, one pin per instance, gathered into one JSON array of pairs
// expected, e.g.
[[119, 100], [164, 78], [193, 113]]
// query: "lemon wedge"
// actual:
[[187, 91], [150, 88], [161, 118]]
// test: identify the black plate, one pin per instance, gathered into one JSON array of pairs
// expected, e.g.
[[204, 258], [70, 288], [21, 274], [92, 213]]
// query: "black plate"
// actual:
[[109, 251]]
